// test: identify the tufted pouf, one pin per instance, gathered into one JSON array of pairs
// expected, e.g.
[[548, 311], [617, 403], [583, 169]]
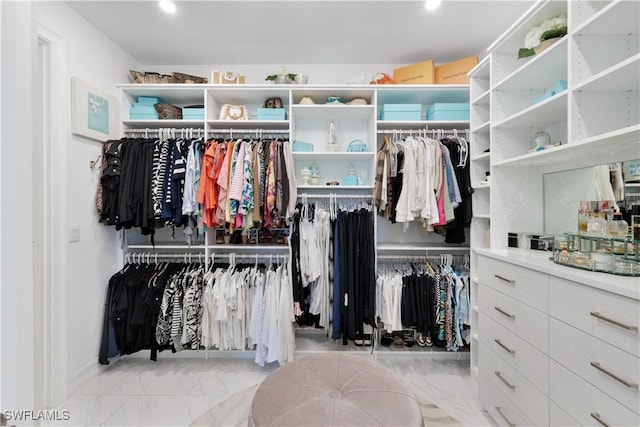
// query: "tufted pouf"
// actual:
[[334, 390]]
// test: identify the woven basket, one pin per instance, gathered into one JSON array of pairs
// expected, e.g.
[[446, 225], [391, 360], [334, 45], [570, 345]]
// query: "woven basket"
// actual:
[[187, 79], [150, 77], [168, 111]]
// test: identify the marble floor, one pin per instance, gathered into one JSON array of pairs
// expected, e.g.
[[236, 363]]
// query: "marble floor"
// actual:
[[177, 391]]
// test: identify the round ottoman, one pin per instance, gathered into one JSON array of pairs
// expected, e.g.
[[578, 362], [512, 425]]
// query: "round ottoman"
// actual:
[[334, 390]]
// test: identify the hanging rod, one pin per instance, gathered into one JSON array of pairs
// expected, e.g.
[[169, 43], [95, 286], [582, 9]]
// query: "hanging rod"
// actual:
[[437, 258], [251, 257], [165, 131], [148, 257], [267, 131], [417, 131], [335, 196]]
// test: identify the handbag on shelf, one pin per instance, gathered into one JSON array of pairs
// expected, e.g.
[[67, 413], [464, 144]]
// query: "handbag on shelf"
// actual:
[[301, 146], [227, 78], [357, 146], [233, 112]]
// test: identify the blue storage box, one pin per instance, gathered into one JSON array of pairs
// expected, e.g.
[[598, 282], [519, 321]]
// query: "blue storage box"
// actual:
[[271, 114], [448, 111], [143, 116], [400, 112], [147, 100], [542, 97], [559, 87], [193, 113]]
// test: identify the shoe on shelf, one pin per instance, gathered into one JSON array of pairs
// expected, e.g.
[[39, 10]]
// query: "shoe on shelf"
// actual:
[[398, 341], [420, 340], [427, 341], [386, 339]]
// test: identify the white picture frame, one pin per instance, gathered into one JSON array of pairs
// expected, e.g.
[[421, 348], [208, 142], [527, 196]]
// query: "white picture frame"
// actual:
[[94, 113]]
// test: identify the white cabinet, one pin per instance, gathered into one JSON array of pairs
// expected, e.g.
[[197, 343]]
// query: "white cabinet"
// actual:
[[574, 348]]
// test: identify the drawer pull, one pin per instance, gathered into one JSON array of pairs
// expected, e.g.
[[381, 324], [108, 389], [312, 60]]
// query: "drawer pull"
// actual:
[[504, 279], [614, 376], [505, 347], [596, 417], [499, 409], [499, 375], [613, 322], [501, 311]]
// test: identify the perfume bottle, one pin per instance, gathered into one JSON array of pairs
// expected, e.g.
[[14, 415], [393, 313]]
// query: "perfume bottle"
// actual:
[[597, 226], [635, 221], [618, 227], [563, 256], [584, 213]]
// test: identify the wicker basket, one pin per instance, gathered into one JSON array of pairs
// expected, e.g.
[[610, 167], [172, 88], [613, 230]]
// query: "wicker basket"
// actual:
[[150, 77], [187, 79], [168, 112]]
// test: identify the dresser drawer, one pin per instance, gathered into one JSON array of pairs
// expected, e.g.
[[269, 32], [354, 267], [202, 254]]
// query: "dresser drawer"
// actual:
[[559, 418], [526, 359], [526, 322], [502, 410], [585, 403], [610, 317], [523, 284], [578, 352], [533, 403]]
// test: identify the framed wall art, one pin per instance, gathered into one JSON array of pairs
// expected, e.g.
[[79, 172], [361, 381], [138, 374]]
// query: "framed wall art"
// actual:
[[94, 114]]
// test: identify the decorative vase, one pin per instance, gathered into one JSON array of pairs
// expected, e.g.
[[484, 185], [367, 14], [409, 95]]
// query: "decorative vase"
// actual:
[[282, 79], [545, 44]]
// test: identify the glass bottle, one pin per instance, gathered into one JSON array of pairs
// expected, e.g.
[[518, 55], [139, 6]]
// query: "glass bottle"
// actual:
[[596, 226], [584, 213], [563, 256], [618, 227], [635, 221], [540, 141]]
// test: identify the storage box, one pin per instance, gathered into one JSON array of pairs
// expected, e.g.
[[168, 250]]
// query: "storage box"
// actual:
[[448, 111], [147, 100], [271, 114], [143, 112], [420, 73], [455, 72], [143, 116], [400, 112], [193, 113]]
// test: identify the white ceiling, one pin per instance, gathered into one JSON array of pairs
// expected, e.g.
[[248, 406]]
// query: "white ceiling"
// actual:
[[301, 32]]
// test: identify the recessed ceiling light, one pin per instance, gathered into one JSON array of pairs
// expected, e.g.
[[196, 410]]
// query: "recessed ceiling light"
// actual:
[[168, 6], [432, 4]]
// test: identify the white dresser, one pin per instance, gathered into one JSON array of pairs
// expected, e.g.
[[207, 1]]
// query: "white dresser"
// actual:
[[556, 346]]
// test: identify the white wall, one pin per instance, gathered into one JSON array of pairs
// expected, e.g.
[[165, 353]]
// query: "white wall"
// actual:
[[94, 58], [16, 281]]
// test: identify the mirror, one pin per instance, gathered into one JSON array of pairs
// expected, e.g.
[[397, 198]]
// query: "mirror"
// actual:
[[563, 192]]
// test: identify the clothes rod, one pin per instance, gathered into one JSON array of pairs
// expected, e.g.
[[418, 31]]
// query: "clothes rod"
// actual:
[[335, 196], [437, 258], [242, 131], [418, 131]]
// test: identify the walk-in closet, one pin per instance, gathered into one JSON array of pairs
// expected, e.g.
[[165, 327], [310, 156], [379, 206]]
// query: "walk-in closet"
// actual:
[[239, 213]]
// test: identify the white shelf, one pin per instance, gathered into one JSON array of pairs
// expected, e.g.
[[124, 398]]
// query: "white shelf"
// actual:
[[483, 99], [612, 19], [327, 155], [484, 127], [334, 187], [249, 124], [139, 124], [416, 94], [482, 156], [551, 110], [422, 124], [480, 187], [632, 185], [169, 93], [213, 247], [541, 71], [610, 147], [482, 216], [419, 248], [335, 112], [623, 76], [481, 70]]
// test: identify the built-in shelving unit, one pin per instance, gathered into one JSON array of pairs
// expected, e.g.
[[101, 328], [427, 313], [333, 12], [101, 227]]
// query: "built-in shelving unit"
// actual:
[[595, 121]]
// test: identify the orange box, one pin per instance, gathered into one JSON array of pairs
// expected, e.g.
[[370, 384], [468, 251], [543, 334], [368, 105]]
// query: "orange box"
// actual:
[[455, 72], [420, 73]]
